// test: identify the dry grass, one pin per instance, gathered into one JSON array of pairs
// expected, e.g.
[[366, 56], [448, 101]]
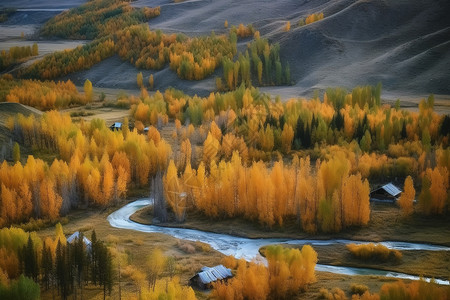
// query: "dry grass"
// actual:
[[421, 263], [358, 288], [137, 246], [426, 263]]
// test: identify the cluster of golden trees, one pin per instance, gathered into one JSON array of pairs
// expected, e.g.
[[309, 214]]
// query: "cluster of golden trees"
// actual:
[[257, 126], [310, 19], [434, 197], [314, 18], [328, 200], [145, 48], [168, 289], [197, 58], [54, 263], [415, 290], [12, 241], [149, 109], [44, 95], [98, 18], [97, 165], [288, 271], [119, 28], [61, 63], [15, 54], [261, 61], [191, 58], [242, 31], [372, 251]]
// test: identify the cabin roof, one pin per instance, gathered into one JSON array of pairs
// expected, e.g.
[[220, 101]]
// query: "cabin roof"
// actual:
[[208, 275], [75, 235], [390, 189]]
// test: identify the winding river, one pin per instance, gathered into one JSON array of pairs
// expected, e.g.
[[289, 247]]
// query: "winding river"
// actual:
[[248, 248]]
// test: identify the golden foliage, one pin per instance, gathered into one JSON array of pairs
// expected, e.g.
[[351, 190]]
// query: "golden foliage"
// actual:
[[287, 27], [376, 252], [313, 18], [44, 95], [232, 189], [419, 289], [97, 167], [288, 271], [407, 197], [167, 289]]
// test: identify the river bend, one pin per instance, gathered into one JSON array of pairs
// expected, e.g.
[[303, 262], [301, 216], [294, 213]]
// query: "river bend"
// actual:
[[247, 248]]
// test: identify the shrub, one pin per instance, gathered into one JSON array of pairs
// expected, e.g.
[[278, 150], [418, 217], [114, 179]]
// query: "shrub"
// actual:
[[373, 251], [335, 294], [186, 247], [358, 288], [199, 246], [414, 290]]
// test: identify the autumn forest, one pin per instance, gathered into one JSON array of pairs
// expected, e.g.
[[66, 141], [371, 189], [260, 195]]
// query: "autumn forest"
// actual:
[[293, 194]]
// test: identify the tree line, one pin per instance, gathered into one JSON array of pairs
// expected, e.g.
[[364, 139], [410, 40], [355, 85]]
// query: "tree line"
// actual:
[[44, 95], [356, 124], [16, 54], [97, 166], [61, 63], [53, 264], [328, 200], [96, 19]]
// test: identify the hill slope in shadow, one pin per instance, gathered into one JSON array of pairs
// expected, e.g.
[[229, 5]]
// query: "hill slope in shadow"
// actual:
[[403, 44]]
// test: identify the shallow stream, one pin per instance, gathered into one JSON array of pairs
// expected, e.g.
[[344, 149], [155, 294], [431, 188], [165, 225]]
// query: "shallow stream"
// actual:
[[249, 248]]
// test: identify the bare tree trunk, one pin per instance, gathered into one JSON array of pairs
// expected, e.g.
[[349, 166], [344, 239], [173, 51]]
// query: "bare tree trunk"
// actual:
[[157, 193]]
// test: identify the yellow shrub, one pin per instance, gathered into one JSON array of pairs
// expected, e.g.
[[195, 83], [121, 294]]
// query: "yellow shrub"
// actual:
[[373, 251]]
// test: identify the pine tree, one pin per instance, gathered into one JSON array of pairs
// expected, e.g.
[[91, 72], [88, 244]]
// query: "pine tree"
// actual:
[[47, 266], [30, 263], [94, 258], [78, 256], [104, 268], [62, 272]]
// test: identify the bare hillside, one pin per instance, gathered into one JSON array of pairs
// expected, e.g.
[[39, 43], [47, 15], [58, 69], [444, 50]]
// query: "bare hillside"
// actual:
[[403, 44]]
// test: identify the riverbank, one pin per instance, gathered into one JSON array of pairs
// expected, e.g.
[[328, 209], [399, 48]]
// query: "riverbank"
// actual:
[[385, 224], [433, 264]]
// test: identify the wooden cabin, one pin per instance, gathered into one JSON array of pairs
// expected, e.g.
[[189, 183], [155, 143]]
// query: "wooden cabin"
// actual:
[[207, 276], [386, 193]]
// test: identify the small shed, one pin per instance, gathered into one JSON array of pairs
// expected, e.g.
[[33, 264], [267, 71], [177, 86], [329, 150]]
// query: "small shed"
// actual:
[[207, 276], [116, 126], [386, 193], [75, 236]]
